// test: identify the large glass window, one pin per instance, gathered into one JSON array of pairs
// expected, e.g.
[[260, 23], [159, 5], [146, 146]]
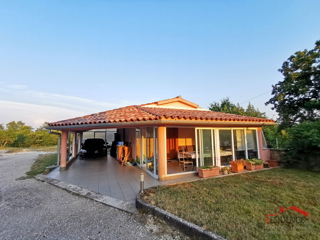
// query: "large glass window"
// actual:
[[180, 146], [239, 144], [220, 146], [150, 149], [252, 143], [225, 147], [139, 160], [206, 147]]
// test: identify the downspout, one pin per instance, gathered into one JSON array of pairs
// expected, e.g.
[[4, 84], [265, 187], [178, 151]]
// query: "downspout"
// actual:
[[59, 137]]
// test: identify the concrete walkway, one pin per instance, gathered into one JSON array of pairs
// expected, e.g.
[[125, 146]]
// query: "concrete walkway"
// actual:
[[107, 177], [31, 209]]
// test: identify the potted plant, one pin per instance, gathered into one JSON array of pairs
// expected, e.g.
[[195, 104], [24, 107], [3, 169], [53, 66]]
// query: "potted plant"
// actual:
[[273, 163], [258, 163], [250, 165], [237, 165], [208, 171], [254, 164], [225, 170]]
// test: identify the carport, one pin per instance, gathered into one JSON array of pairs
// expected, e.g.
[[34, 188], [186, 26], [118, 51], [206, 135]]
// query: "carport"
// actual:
[[107, 177]]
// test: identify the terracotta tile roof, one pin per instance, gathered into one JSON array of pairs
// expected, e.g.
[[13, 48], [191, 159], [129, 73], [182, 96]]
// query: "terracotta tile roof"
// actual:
[[186, 114], [140, 113]]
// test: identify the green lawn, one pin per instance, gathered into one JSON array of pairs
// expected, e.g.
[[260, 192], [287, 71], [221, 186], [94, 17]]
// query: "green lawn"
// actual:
[[235, 207]]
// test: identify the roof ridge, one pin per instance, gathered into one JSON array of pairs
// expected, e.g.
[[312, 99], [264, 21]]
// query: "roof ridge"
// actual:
[[147, 111], [204, 110]]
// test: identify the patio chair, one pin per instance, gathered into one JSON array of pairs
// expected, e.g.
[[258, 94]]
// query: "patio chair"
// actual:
[[184, 159]]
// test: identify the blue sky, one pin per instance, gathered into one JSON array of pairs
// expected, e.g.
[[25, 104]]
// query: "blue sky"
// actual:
[[64, 59]]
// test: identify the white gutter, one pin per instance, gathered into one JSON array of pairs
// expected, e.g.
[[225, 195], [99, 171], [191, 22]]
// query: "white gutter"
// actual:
[[158, 122]]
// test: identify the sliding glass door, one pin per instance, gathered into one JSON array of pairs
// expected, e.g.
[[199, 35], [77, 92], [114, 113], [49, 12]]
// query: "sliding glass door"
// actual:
[[151, 157], [220, 146], [139, 158], [225, 140], [205, 147], [239, 144], [252, 143]]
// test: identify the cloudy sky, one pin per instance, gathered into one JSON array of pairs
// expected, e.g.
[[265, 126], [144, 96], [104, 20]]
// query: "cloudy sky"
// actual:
[[64, 59]]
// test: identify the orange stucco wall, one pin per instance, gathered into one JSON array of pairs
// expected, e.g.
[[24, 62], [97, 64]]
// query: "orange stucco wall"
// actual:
[[63, 156], [162, 153]]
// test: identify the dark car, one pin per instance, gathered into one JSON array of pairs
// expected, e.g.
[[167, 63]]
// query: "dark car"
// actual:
[[94, 147]]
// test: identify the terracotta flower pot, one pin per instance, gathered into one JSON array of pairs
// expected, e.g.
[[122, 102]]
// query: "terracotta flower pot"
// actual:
[[258, 167], [236, 167], [204, 173], [250, 166], [273, 163]]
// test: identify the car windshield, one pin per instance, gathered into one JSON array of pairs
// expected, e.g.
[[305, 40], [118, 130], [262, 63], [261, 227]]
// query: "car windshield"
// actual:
[[94, 141]]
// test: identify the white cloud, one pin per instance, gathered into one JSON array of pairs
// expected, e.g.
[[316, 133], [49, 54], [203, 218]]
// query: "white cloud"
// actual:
[[35, 107], [33, 114], [17, 87], [58, 100]]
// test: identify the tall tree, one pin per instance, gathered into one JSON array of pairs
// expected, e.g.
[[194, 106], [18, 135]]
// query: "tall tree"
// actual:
[[296, 98], [226, 106]]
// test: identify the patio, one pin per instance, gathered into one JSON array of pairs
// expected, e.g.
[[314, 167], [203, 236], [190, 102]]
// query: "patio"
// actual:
[[105, 176]]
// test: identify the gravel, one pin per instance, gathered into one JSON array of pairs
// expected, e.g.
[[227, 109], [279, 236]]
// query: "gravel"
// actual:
[[30, 209]]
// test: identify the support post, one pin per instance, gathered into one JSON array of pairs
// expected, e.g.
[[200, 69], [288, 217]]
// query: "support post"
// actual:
[[63, 158], [74, 145], [162, 156]]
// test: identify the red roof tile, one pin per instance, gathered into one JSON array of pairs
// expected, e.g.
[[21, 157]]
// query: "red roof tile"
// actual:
[[141, 113]]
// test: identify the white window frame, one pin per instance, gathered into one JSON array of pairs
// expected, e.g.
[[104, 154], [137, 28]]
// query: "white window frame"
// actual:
[[214, 133]]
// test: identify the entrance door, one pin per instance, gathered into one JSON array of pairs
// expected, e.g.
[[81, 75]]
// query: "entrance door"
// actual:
[[205, 147]]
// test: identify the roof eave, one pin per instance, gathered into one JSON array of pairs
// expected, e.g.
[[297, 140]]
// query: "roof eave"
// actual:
[[161, 122]]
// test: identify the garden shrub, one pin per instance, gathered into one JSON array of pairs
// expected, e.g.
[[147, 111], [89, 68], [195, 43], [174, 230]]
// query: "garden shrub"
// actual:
[[304, 146]]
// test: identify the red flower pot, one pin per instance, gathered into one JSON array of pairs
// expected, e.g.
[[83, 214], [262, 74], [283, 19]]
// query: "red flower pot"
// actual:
[[236, 167], [250, 166], [273, 163], [204, 173], [258, 167]]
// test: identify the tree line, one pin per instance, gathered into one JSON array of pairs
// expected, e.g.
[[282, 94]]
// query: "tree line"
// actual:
[[18, 134], [297, 101]]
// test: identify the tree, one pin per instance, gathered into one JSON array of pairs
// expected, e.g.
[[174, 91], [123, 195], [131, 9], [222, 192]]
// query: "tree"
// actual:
[[14, 126], [17, 134], [227, 106], [296, 98], [304, 146]]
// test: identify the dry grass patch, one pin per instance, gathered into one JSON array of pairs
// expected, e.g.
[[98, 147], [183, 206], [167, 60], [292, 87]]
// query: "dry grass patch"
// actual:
[[40, 164], [31, 149], [235, 207]]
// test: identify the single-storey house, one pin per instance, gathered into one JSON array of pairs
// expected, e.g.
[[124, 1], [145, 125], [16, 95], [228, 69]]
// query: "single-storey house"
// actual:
[[170, 138]]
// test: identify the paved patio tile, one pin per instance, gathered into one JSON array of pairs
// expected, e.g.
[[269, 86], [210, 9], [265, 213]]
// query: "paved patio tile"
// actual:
[[118, 196], [129, 196], [131, 200], [105, 191], [106, 176]]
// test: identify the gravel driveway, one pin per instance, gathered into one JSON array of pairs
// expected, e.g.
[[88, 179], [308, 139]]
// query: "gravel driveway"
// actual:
[[30, 209]]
